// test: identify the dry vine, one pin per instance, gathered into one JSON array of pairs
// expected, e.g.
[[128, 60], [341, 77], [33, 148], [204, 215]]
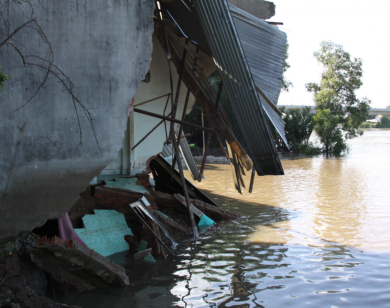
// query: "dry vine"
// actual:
[[46, 64]]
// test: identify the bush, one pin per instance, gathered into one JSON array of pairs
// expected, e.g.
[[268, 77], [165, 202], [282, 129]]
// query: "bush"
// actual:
[[310, 149], [366, 125], [384, 122]]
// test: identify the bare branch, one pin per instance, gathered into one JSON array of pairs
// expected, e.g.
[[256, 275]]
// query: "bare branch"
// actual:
[[16, 31], [21, 55]]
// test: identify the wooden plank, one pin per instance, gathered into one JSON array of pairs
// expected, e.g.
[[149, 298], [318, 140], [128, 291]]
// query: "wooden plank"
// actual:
[[195, 210]]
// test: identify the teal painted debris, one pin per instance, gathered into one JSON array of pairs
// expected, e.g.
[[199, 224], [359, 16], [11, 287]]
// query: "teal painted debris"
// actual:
[[142, 245], [126, 183], [104, 232], [149, 258], [205, 221]]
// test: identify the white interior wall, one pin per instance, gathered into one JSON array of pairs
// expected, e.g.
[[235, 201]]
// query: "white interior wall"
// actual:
[[158, 85], [139, 124]]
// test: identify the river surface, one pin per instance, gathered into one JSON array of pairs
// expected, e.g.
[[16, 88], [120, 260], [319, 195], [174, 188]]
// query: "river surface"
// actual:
[[319, 236]]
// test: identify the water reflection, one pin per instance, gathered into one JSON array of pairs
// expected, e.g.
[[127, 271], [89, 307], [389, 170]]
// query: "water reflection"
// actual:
[[318, 236]]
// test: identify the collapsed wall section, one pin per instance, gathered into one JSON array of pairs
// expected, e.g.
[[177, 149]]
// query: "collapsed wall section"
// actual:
[[102, 50]]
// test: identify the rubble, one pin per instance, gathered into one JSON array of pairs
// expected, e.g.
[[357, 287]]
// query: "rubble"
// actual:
[[143, 215], [22, 284], [70, 262]]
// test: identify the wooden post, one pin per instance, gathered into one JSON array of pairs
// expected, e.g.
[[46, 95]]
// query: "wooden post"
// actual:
[[174, 107], [205, 149], [184, 184], [252, 180]]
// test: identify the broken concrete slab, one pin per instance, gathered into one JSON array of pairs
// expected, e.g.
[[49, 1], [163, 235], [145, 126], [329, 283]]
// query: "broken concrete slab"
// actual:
[[105, 232], [78, 265]]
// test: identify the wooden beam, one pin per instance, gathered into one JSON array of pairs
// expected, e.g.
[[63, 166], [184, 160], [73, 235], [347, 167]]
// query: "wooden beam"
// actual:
[[155, 115]]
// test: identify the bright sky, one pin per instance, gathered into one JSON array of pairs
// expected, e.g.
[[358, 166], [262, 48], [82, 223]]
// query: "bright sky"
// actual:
[[361, 27]]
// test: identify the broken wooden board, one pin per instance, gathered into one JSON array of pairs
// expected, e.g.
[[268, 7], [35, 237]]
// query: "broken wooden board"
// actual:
[[215, 213], [77, 265], [195, 210], [204, 221], [104, 197], [168, 179], [170, 222], [140, 208], [142, 254]]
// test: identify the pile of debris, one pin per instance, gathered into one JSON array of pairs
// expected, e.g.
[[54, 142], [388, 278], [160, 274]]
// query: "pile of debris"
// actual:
[[143, 215]]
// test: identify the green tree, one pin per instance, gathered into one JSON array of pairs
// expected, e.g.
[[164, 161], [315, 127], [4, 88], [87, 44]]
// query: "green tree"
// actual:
[[339, 111], [298, 127]]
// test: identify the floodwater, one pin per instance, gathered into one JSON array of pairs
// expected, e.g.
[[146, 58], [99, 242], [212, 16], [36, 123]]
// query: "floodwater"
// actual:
[[317, 237]]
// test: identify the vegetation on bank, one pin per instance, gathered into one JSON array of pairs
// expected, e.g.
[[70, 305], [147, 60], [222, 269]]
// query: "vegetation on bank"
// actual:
[[339, 112], [339, 116], [384, 122]]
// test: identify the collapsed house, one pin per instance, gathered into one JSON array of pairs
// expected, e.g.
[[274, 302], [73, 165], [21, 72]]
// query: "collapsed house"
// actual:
[[140, 202]]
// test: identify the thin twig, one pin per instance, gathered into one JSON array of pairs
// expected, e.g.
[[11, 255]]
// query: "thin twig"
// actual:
[[21, 55], [16, 31]]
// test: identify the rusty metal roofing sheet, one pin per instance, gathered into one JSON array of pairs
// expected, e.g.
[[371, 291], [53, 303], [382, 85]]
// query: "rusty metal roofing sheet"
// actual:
[[229, 55]]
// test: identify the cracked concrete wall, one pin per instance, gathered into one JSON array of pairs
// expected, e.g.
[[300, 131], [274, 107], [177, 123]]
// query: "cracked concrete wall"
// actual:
[[105, 48]]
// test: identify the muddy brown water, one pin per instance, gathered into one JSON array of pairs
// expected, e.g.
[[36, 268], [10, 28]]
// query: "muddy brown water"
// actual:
[[317, 237]]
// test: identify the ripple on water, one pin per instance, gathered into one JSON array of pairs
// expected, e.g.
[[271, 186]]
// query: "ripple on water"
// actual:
[[321, 239]]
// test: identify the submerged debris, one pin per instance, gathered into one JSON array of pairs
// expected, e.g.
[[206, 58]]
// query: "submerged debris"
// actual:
[[120, 214]]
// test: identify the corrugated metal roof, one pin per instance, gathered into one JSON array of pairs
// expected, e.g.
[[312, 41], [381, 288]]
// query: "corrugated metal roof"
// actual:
[[227, 50], [265, 48], [186, 154], [184, 14]]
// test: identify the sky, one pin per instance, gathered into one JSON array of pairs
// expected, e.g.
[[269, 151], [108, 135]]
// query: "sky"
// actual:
[[361, 27]]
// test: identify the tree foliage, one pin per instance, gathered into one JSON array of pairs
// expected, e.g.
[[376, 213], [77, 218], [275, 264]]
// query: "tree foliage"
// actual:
[[298, 127], [340, 112], [384, 122]]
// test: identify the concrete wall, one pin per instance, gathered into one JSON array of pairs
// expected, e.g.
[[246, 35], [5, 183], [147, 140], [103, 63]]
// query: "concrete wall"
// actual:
[[104, 47], [259, 8]]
